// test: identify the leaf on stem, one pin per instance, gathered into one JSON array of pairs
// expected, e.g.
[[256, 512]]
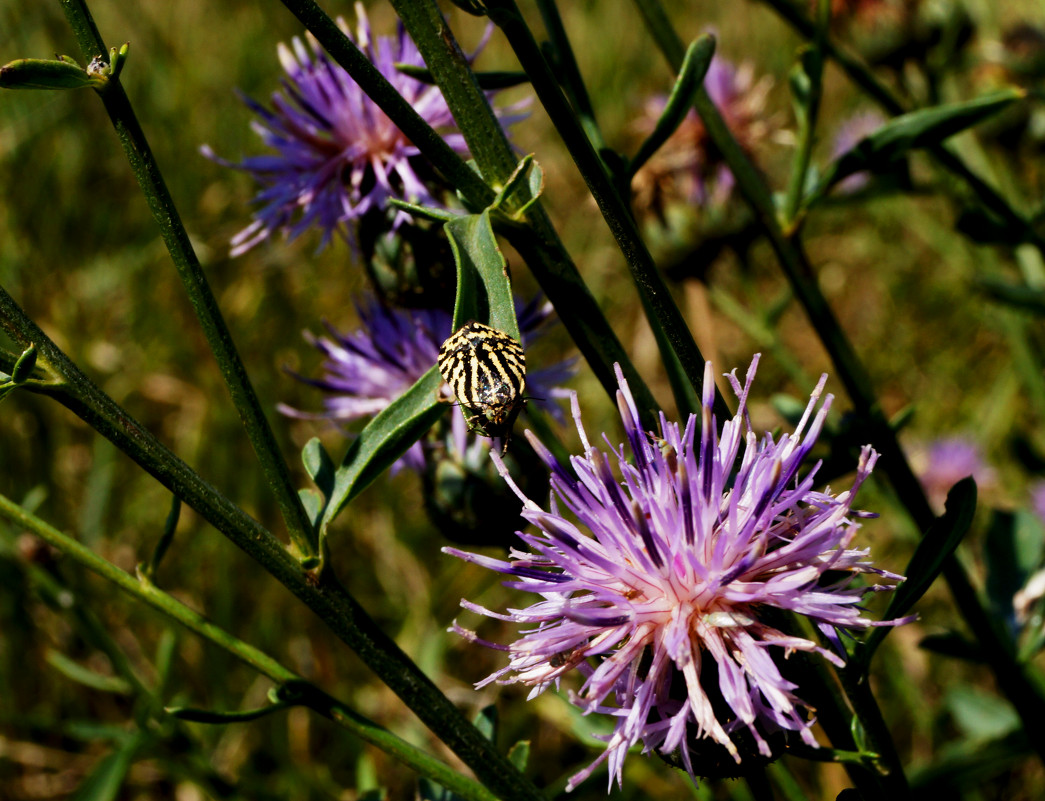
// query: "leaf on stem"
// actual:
[[37, 73], [938, 543], [527, 181], [918, 129], [680, 101], [387, 437], [478, 255], [222, 718], [74, 671]]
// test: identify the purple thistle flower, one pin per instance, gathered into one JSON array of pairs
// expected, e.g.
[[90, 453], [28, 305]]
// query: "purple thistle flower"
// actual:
[[337, 155], [945, 462], [848, 136], [657, 578], [366, 369]]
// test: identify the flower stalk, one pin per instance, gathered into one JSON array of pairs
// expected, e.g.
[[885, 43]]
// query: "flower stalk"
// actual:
[[537, 241], [303, 692], [147, 172], [327, 598], [1017, 682]]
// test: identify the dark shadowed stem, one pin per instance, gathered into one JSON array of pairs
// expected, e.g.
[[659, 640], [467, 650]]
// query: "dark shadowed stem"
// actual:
[[547, 258], [1017, 682], [304, 692], [200, 296], [571, 79], [809, 76], [861, 75], [326, 597], [867, 711], [666, 321]]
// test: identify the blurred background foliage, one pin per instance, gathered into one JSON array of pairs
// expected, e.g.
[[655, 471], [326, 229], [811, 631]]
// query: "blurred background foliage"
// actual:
[[81, 254]]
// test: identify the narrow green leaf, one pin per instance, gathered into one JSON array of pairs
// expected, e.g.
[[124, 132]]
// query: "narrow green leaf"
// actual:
[[105, 781], [1016, 295], [527, 181], [519, 754], [387, 437], [23, 368], [313, 503], [221, 718], [74, 671], [938, 543], [691, 75], [918, 129], [423, 212], [166, 538], [1012, 552], [319, 465], [489, 81], [35, 73], [477, 253], [486, 722]]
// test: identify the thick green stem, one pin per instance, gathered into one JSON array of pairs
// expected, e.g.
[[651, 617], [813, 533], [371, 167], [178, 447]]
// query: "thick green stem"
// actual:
[[540, 245], [202, 299], [326, 597], [1014, 680], [304, 692]]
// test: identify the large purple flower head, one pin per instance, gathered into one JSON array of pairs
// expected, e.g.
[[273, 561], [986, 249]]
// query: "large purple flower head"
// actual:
[[337, 156], [658, 581], [366, 369]]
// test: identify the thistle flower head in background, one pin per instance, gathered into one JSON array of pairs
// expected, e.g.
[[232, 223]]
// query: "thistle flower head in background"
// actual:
[[849, 134], [658, 581], [688, 168], [366, 369], [944, 462], [337, 156]]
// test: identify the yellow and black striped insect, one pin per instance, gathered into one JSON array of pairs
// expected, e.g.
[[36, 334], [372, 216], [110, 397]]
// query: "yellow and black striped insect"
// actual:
[[486, 369]]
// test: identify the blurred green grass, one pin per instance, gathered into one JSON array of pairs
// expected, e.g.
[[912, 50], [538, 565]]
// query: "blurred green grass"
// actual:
[[81, 254]]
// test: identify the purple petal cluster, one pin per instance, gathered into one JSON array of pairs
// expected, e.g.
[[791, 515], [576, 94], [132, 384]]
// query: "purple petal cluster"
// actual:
[[337, 156], [655, 564], [366, 369]]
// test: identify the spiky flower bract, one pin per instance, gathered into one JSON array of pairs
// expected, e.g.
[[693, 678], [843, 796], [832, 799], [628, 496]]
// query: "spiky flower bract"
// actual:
[[663, 582], [337, 155]]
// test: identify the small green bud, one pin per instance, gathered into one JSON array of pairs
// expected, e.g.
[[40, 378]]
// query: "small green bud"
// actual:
[[23, 368]]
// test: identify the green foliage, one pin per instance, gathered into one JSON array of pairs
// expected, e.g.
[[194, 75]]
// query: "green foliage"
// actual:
[[941, 322]]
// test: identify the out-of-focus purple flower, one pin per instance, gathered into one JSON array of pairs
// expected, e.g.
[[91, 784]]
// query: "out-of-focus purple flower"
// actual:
[[364, 370], [655, 579], [945, 462], [851, 131], [1037, 499], [337, 155], [688, 167]]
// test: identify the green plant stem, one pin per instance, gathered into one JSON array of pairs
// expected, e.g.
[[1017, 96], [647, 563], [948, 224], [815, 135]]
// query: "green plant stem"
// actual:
[[861, 75], [677, 348], [304, 692], [538, 243], [807, 114], [326, 597], [1017, 682], [145, 169], [571, 79]]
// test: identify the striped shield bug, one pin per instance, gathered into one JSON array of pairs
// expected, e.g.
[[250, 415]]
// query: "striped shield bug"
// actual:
[[486, 369]]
